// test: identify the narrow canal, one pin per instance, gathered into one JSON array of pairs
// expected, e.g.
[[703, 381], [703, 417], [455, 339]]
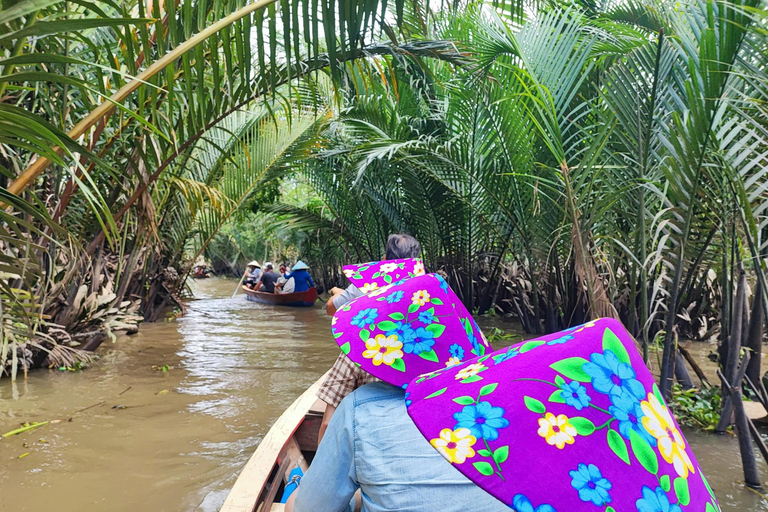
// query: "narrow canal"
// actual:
[[165, 420]]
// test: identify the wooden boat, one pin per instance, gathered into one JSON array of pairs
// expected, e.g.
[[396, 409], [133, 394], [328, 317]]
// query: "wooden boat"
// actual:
[[299, 299], [291, 442]]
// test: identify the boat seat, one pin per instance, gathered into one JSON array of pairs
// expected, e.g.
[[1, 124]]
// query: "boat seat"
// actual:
[[277, 507]]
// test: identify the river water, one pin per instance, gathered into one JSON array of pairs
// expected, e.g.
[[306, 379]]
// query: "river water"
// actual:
[[126, 435]]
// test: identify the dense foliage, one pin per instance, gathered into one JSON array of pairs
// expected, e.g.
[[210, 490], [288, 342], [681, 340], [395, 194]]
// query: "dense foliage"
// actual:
[[559, 162]]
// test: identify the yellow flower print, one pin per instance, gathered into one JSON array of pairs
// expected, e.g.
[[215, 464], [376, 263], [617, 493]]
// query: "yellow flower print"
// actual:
[[455, 445], [383, 349], [453, 361], [418, 268], [369, 287], [470, 371], [333, 320], [348, 273], [421, 297], [386, 268], [658, 422], [378, 291], [557, 430]]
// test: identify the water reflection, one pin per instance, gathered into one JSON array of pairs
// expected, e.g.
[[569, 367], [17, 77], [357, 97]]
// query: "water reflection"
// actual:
[[175, 441]]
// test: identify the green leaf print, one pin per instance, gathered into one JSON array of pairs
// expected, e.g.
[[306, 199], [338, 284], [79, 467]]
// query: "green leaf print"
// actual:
[[397, 316], [531, 345], [487, 389], [470, 380], [501, 454], [534, 405], [338, 334], [386, 325], [583, 426], [398, 365], [559, 381], [643, 452], [613, 343], [365, 334], [557, 397], [484, 453], [436, 301], [413, 308], [710, 508], [618, 446], [435, 329], [572, 368], [657, 394], [664, 481], [429, 356], [682, 492], [345, 348], [483, 468], [387, 279], [436, 393], [377, 274], [464, 400]]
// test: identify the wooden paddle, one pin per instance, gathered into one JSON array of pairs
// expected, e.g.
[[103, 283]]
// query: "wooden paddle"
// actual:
[[239, 284]]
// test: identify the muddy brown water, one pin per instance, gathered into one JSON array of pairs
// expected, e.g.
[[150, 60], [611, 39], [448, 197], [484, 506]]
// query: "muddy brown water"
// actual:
[[129, 437]]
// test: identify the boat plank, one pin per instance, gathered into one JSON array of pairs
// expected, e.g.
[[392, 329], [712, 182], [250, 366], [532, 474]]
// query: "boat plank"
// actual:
[[252, 480]]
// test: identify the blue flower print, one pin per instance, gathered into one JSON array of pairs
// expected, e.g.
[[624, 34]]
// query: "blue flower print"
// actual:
[[482, 419], [591, 485], [443, 283], [401, 330], [629, 413], [560, 340], [457, 351], [394, 297], [509, 354], [426, 317], [655, 501], [408, 402], [365, 317], [522, 504], [575, 395], [418, 341], [612, 377]]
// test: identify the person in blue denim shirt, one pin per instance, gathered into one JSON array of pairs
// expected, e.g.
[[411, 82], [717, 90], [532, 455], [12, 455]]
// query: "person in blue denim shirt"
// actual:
[[372, 444]]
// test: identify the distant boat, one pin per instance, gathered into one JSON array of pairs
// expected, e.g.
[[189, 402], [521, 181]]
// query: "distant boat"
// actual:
[[298, 299], [290, 442]]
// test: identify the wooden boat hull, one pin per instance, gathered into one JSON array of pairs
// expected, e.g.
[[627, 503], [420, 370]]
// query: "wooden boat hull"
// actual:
[[291, 442], [296, 300]]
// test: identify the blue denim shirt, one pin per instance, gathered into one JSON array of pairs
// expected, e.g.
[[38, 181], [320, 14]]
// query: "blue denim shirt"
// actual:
[[371, 444]]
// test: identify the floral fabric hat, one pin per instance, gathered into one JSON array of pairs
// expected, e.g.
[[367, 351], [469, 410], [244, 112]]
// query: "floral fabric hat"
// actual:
[[376, 274], [570, 422], [410, 327]]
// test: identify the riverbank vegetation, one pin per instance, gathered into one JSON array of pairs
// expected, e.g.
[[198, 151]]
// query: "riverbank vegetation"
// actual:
[[559, 161]]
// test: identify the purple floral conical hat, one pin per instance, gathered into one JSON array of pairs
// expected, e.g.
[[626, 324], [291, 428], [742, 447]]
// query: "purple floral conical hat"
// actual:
[[570, 422], [410, 327], [376, 274]]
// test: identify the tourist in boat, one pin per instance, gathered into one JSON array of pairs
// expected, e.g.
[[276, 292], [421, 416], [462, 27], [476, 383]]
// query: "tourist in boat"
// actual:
[[297, 280], [267, 280], [344, 376], [371, 444], [252, 273], [399, 247], [570, 422]]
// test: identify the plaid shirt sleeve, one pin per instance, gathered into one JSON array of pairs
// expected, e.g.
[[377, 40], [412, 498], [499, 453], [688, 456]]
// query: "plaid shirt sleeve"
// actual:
[[344, 378]]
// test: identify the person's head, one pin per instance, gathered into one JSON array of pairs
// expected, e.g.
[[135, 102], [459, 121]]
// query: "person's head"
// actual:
[[413, 326], [253, 265], [268, 266], [283, 269], [401, 246]]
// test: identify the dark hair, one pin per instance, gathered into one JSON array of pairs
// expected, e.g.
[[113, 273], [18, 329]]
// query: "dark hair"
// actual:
[[401, 246], [270, 266]]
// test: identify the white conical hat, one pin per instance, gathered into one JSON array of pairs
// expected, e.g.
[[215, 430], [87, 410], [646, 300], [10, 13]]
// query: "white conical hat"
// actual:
[[254, 263], [300, 265]]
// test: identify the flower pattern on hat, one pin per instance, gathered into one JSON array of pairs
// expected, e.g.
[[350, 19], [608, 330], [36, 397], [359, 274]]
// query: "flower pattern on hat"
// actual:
[[378, 274], [409, 328], [569, 422]]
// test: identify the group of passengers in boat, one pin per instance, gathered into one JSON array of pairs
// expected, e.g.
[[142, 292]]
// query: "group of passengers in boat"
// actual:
[[410, 426], [288, 280]]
